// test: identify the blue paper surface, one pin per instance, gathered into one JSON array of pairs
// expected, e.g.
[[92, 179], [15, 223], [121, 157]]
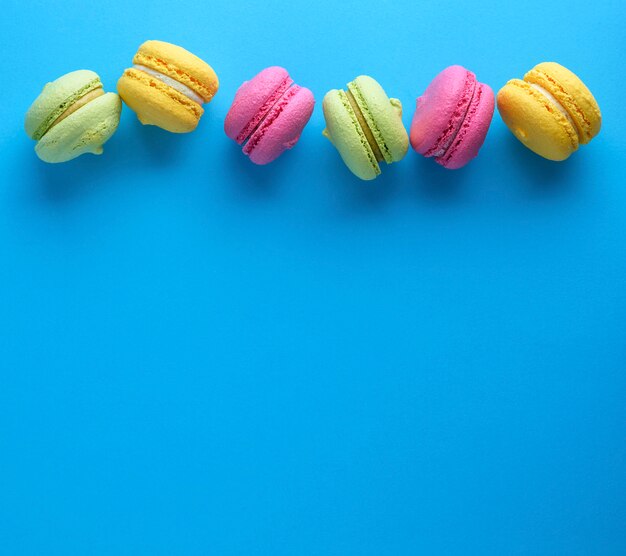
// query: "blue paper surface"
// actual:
[[200, 356]]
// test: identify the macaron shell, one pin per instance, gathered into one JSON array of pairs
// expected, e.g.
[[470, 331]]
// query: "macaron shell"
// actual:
[[253, 100], [535, 121], [572, 94], [84, 131], [440, 110], [180, 64], [282, 127], [345, 133], [473, 131], [55, 98], [156, 103], [383, 116]]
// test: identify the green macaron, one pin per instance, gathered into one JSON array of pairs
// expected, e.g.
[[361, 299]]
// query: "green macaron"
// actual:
[[365, 126], [72, 116]]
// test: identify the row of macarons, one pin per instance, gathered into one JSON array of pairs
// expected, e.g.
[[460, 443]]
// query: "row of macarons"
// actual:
[[551, 111]]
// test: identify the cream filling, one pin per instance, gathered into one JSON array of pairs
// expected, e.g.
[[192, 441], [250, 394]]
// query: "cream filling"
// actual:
[[82, 101], [180, 87], [366, 128], [556, 103]]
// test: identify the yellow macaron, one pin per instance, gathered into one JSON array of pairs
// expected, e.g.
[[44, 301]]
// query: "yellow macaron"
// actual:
[[551, 111], [167, 86]]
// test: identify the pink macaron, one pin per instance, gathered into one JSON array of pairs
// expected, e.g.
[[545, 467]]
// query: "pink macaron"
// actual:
[[452, 118], [268, 115]]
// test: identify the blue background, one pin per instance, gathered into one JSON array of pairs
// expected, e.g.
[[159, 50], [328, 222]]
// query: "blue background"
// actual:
[[201, 356]]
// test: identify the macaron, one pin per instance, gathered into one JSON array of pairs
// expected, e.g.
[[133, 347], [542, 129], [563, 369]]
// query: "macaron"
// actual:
[[268, 114], [365, 126], [72, 116], [452, 118], [167, 86], [550, 111]]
